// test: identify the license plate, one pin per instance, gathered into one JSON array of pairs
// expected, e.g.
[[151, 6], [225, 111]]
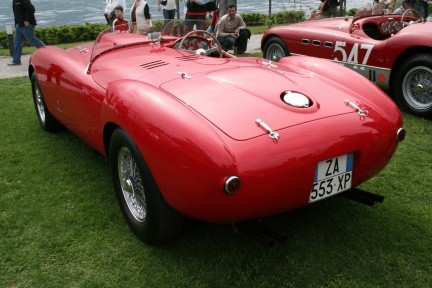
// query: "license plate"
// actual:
[[332, 176]]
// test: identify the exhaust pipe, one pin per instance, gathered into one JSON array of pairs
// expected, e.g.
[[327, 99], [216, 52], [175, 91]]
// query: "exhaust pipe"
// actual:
[[363, 197], [257, 230]]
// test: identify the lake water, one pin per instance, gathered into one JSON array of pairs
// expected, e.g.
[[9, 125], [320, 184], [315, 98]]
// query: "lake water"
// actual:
[[61, 12]]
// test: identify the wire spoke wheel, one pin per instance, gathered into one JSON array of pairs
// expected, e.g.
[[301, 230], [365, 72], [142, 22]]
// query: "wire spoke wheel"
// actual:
[[275, 52], [417, 87], [40, 107], [131, 184], [275, 49], [46, 119], [141, 202]]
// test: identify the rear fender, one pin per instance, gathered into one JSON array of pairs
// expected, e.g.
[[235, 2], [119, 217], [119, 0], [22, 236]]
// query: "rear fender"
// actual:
[[177, 143]]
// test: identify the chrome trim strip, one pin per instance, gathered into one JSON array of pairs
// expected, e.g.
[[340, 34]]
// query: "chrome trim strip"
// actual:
[[370, 72]]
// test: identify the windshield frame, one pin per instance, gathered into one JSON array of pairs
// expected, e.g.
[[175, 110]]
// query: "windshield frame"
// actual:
[[159, 32]]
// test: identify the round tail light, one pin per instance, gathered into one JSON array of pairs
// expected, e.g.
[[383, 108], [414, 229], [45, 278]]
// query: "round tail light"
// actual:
[[232, 185]]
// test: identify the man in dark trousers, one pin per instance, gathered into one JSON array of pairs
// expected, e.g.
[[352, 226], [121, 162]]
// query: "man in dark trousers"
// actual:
[[231, 31], [25, 23]]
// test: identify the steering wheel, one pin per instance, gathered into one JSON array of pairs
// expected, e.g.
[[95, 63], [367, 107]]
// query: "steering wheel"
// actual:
[[215, 46], [411, 13]]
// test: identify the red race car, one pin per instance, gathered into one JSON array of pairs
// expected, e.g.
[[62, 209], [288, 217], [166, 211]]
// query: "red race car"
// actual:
[[191, 131], [393, 51]]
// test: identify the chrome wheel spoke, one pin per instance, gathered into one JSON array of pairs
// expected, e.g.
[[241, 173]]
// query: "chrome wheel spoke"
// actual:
[[275, 52], [131, 184], [418, 87], [39, 104]]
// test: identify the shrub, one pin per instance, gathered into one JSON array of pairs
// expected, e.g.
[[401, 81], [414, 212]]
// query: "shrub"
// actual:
[[257, 19], [254, 19], [63, 34], [352, 12], [54, 35]]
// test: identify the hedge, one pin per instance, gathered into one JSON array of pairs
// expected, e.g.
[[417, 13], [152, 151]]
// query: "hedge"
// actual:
[[88, 32]]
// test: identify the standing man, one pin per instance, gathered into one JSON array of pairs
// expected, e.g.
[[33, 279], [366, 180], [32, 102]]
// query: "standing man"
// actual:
[[25, 23], [231, 31]]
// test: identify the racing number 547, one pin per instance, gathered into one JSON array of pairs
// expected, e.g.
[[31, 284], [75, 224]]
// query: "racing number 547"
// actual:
[[353, 56]]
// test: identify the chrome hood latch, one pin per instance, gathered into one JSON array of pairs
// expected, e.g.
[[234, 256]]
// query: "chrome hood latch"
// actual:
[[361, 112], [272, 134], [184, 75]]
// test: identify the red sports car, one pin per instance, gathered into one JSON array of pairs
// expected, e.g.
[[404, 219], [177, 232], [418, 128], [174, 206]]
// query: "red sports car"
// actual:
[[393, 51], [191, 131]]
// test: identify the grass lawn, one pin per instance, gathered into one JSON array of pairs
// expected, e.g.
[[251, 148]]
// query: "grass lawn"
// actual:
[[60, 225]]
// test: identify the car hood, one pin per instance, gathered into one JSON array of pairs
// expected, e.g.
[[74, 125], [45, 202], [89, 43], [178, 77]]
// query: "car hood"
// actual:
[[234, 99]]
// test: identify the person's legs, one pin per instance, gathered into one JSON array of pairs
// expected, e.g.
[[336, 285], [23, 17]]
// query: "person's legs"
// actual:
[[425, 9], [170, 14], [189, 23], [165, 14], [227, 42], [200, 21], [16, 58], [241, 41], [29, 34]]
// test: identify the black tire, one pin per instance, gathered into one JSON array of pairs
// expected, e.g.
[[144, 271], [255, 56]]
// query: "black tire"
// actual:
[[275, 49], [46, 120], [413, 85], [143, 206]]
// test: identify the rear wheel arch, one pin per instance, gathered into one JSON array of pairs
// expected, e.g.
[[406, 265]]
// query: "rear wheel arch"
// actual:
[[400, 60], [141, 202], [411, 86], [276, 41]]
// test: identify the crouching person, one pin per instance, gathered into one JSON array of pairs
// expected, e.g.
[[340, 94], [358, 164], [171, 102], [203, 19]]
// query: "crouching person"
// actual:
[[231, 31]]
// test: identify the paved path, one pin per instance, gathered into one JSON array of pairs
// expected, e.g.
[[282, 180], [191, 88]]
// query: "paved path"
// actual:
[[13, 71], [21, 70]]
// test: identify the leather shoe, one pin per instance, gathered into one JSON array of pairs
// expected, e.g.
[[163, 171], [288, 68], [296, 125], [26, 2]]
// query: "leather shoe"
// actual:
[[13, 64], [240, 52]]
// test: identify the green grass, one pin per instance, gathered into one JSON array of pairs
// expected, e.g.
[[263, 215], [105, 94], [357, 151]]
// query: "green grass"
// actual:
[[60, 225]]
